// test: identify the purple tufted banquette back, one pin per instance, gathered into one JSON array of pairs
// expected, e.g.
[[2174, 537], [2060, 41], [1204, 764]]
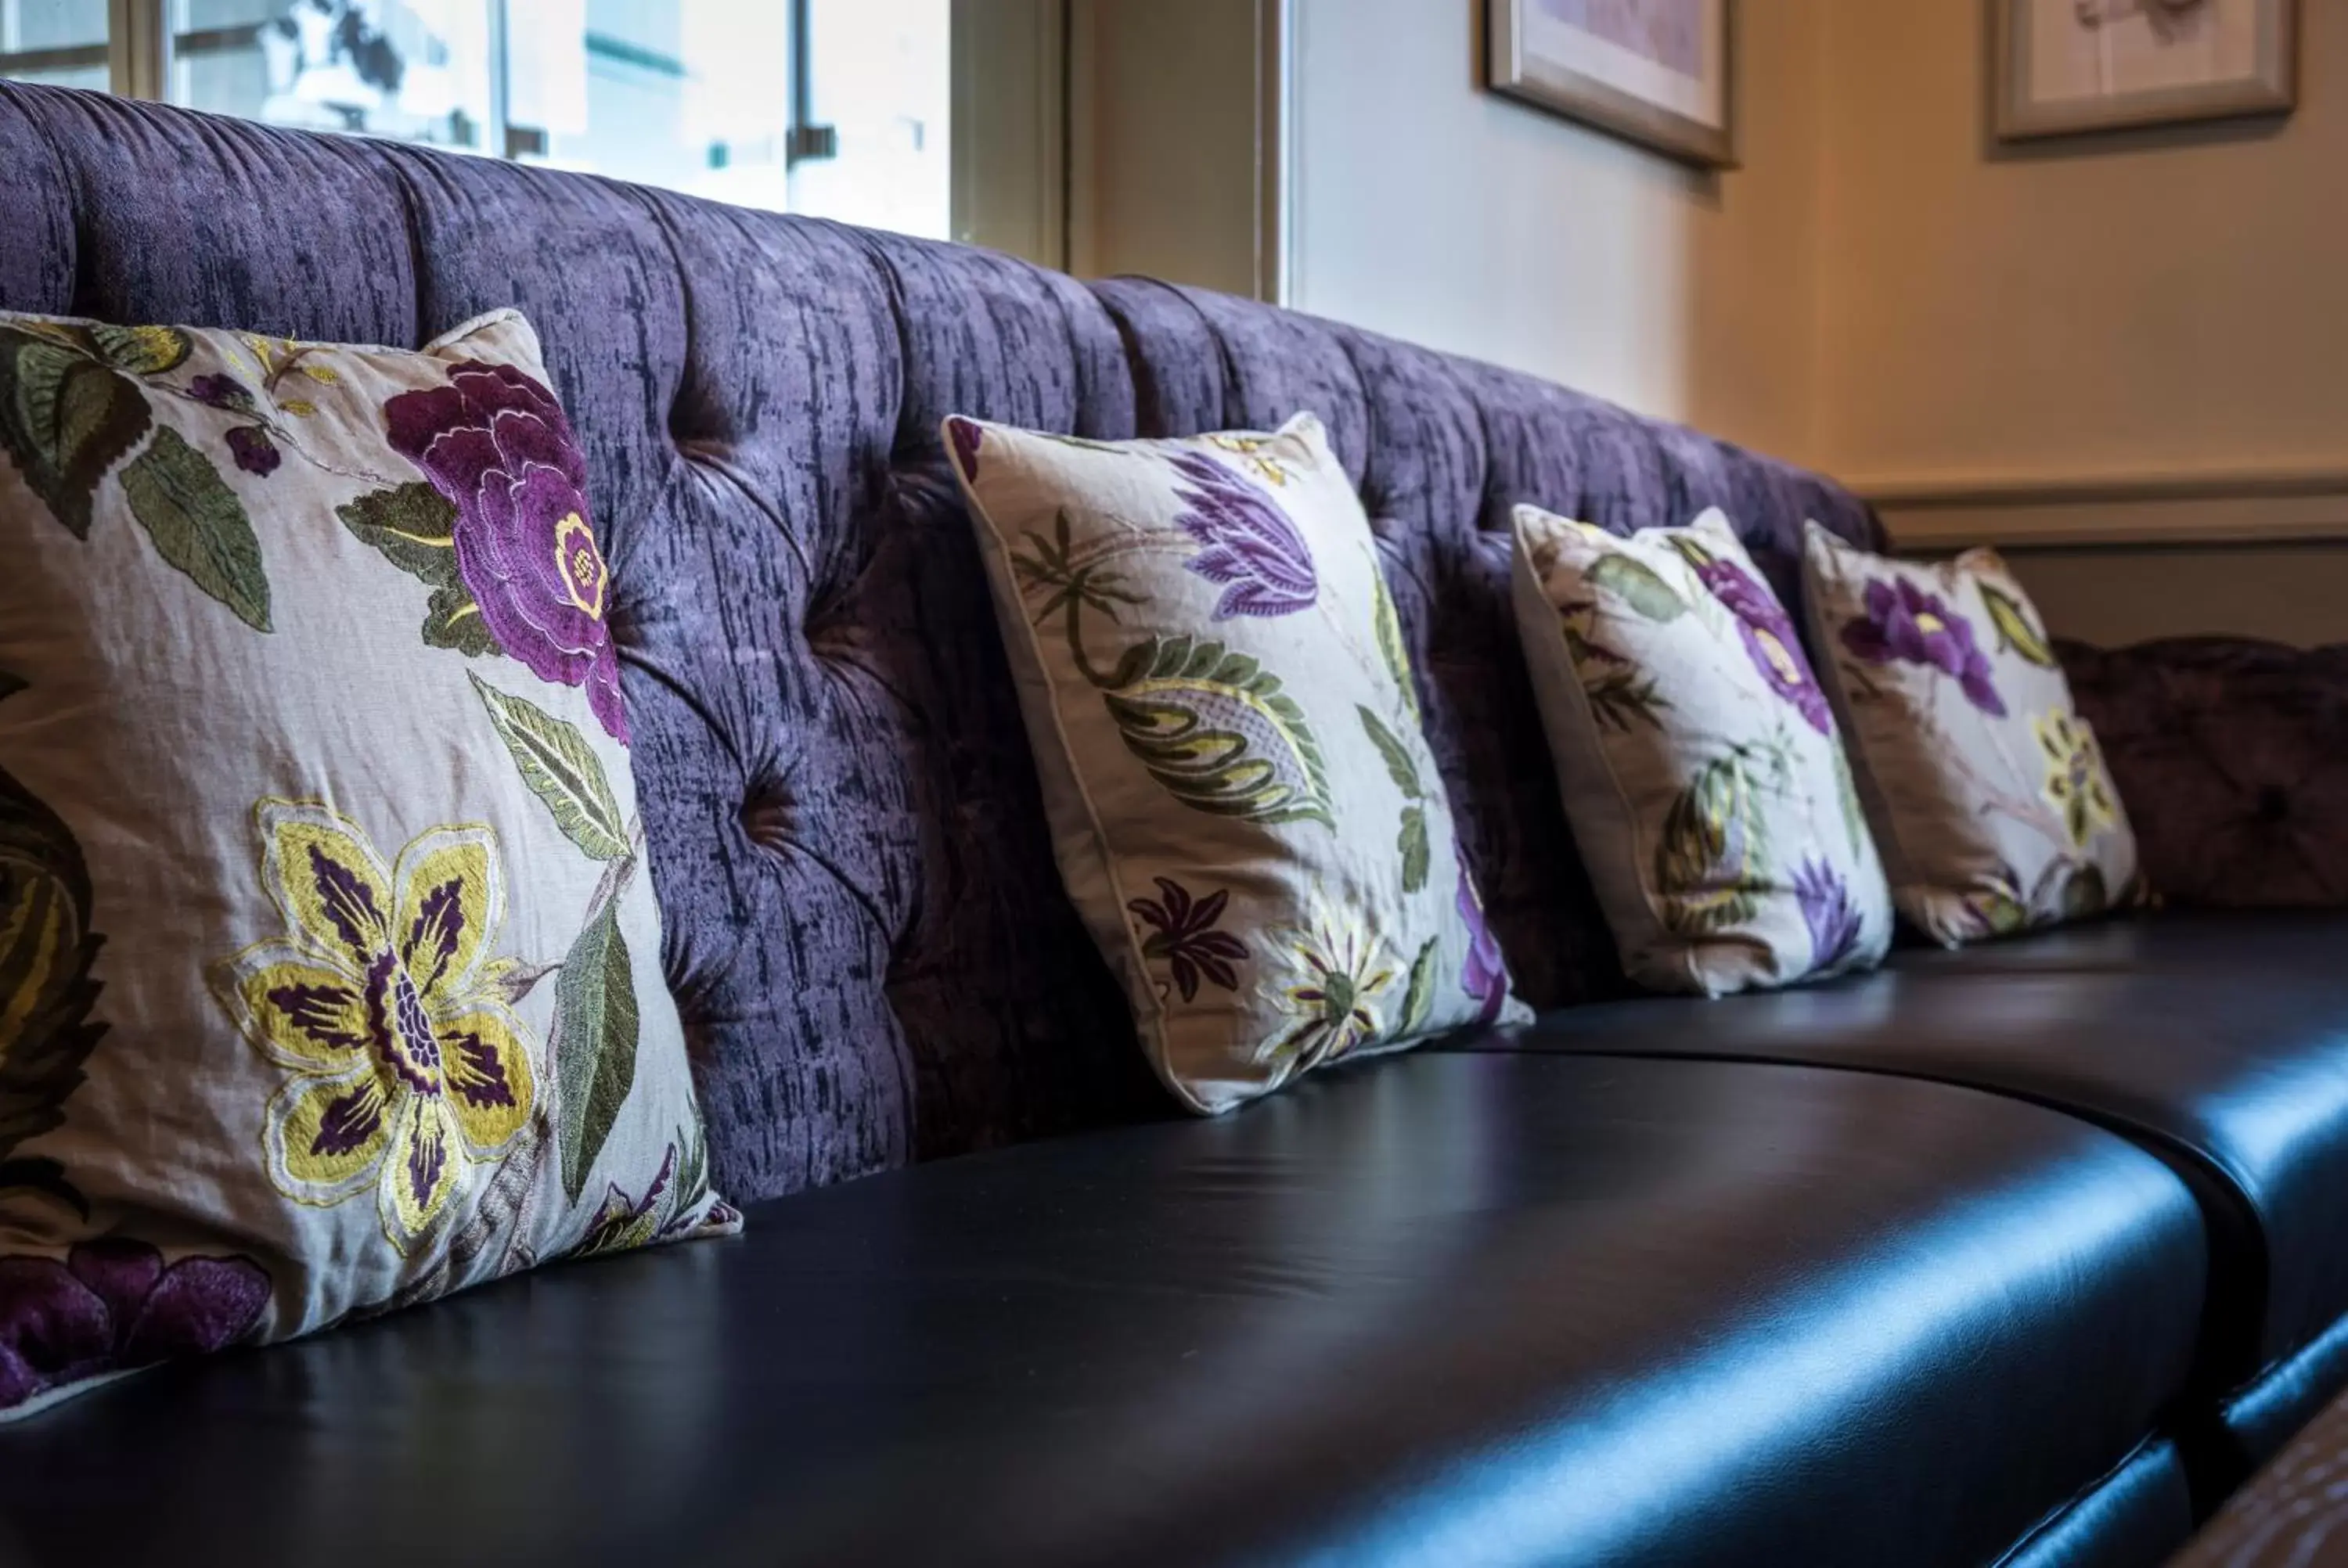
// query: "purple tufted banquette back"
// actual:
[[865, 931]]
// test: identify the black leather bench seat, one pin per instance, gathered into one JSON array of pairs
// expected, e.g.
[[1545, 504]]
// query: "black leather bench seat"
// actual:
[[1439, 1308], [2220, 1043]]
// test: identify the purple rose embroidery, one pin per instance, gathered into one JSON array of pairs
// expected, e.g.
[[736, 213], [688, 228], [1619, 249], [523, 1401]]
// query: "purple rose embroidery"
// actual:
[[496, 443], [1904, 624], [1485, 976], [1251, 544], [1769, 639], [1826, 908], [112, 1306], [255, 452], [965, 434]]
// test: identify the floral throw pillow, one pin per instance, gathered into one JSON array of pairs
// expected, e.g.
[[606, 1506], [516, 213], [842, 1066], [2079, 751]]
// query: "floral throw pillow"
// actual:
[[1702, 770], [329, 962], [1244, 805], [1985, 787]]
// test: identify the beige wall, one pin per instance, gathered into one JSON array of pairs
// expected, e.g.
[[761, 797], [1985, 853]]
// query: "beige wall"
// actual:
[[2162, 309], [2106, 356], [2160, 304], [1423, 206]]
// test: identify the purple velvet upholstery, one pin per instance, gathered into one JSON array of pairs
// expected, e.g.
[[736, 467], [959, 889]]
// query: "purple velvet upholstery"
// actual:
[[865, 930], [2232, 757]]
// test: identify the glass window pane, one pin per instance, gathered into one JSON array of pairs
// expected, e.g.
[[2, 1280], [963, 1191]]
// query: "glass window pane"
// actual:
[[61, 42], [416, 70], [695, 96], [880, 80]]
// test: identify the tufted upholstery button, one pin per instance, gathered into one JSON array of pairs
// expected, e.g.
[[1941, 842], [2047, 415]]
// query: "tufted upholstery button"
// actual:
[[770, 815], [2274, 806]]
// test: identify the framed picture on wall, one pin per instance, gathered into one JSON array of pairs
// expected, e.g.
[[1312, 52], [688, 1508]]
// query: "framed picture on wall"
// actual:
[[1653, 71], [2069, 66]]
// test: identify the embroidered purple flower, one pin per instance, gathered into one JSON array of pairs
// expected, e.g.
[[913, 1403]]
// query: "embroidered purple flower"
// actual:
[[1834, 921], [672, 1206], [1769, 638], [1186, 937], [221, 391], [495, 442], [1905, 624], [1485, 974], [965, 434], [1251, 544], [255, 452], [112, 1306]]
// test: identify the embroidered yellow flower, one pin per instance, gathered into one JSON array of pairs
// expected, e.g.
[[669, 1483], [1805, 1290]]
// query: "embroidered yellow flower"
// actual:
[[382, 1001], [2076, 785], [1252, 450], [1331, 975]]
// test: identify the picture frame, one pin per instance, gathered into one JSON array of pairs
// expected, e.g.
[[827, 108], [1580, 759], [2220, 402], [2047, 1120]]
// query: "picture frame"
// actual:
[[2064, 68], [1659, 72]]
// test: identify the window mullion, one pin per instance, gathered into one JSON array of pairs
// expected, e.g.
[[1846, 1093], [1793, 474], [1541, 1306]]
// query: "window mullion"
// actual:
[[138, 48]]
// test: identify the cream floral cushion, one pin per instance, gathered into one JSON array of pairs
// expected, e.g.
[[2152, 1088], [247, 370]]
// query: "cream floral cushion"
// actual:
[[1222, 713], [329, 962], [1986, 788], [1701, 770]]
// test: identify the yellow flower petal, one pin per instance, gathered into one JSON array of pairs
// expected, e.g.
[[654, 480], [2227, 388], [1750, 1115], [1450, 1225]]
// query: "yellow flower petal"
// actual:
[[326, 1137], [296, 1011], [327, 879], [451, 900], [422, 1169], [491, 1086]]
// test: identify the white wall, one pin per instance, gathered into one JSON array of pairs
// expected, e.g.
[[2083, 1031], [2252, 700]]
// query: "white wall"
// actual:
[[1424, 206]]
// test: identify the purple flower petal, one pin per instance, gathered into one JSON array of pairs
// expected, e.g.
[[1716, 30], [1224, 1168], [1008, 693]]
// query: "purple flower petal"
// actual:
[[1826, 908], [221, 391], [496, 443], [1485, 975], [1770, 642], [966, 436], [1250, 541], [255, 452], [1907, 624]]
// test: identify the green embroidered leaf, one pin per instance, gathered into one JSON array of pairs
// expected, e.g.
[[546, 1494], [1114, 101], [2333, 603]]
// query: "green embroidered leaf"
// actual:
[[453, 621], [1419, 998], [1996, 909], [2084, 893], [46, 953], [1620, 699], [198, 525], [1395, 754], [2013, 628], [562, 770], [1712, 861], [1414, 846], [1218, 733], [142, 351], [596, 1026], [413, 525], [1638, 585], [64, 420], [1854, 817], [1385, 624]]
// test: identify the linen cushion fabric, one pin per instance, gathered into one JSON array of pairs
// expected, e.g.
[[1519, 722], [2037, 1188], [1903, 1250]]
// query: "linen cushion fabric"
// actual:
[[1226, 726], [1985, 787], [1701, 767], [329, 962]]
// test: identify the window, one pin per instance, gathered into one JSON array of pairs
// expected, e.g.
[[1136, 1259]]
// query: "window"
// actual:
[[836, 107], [61, 42]]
